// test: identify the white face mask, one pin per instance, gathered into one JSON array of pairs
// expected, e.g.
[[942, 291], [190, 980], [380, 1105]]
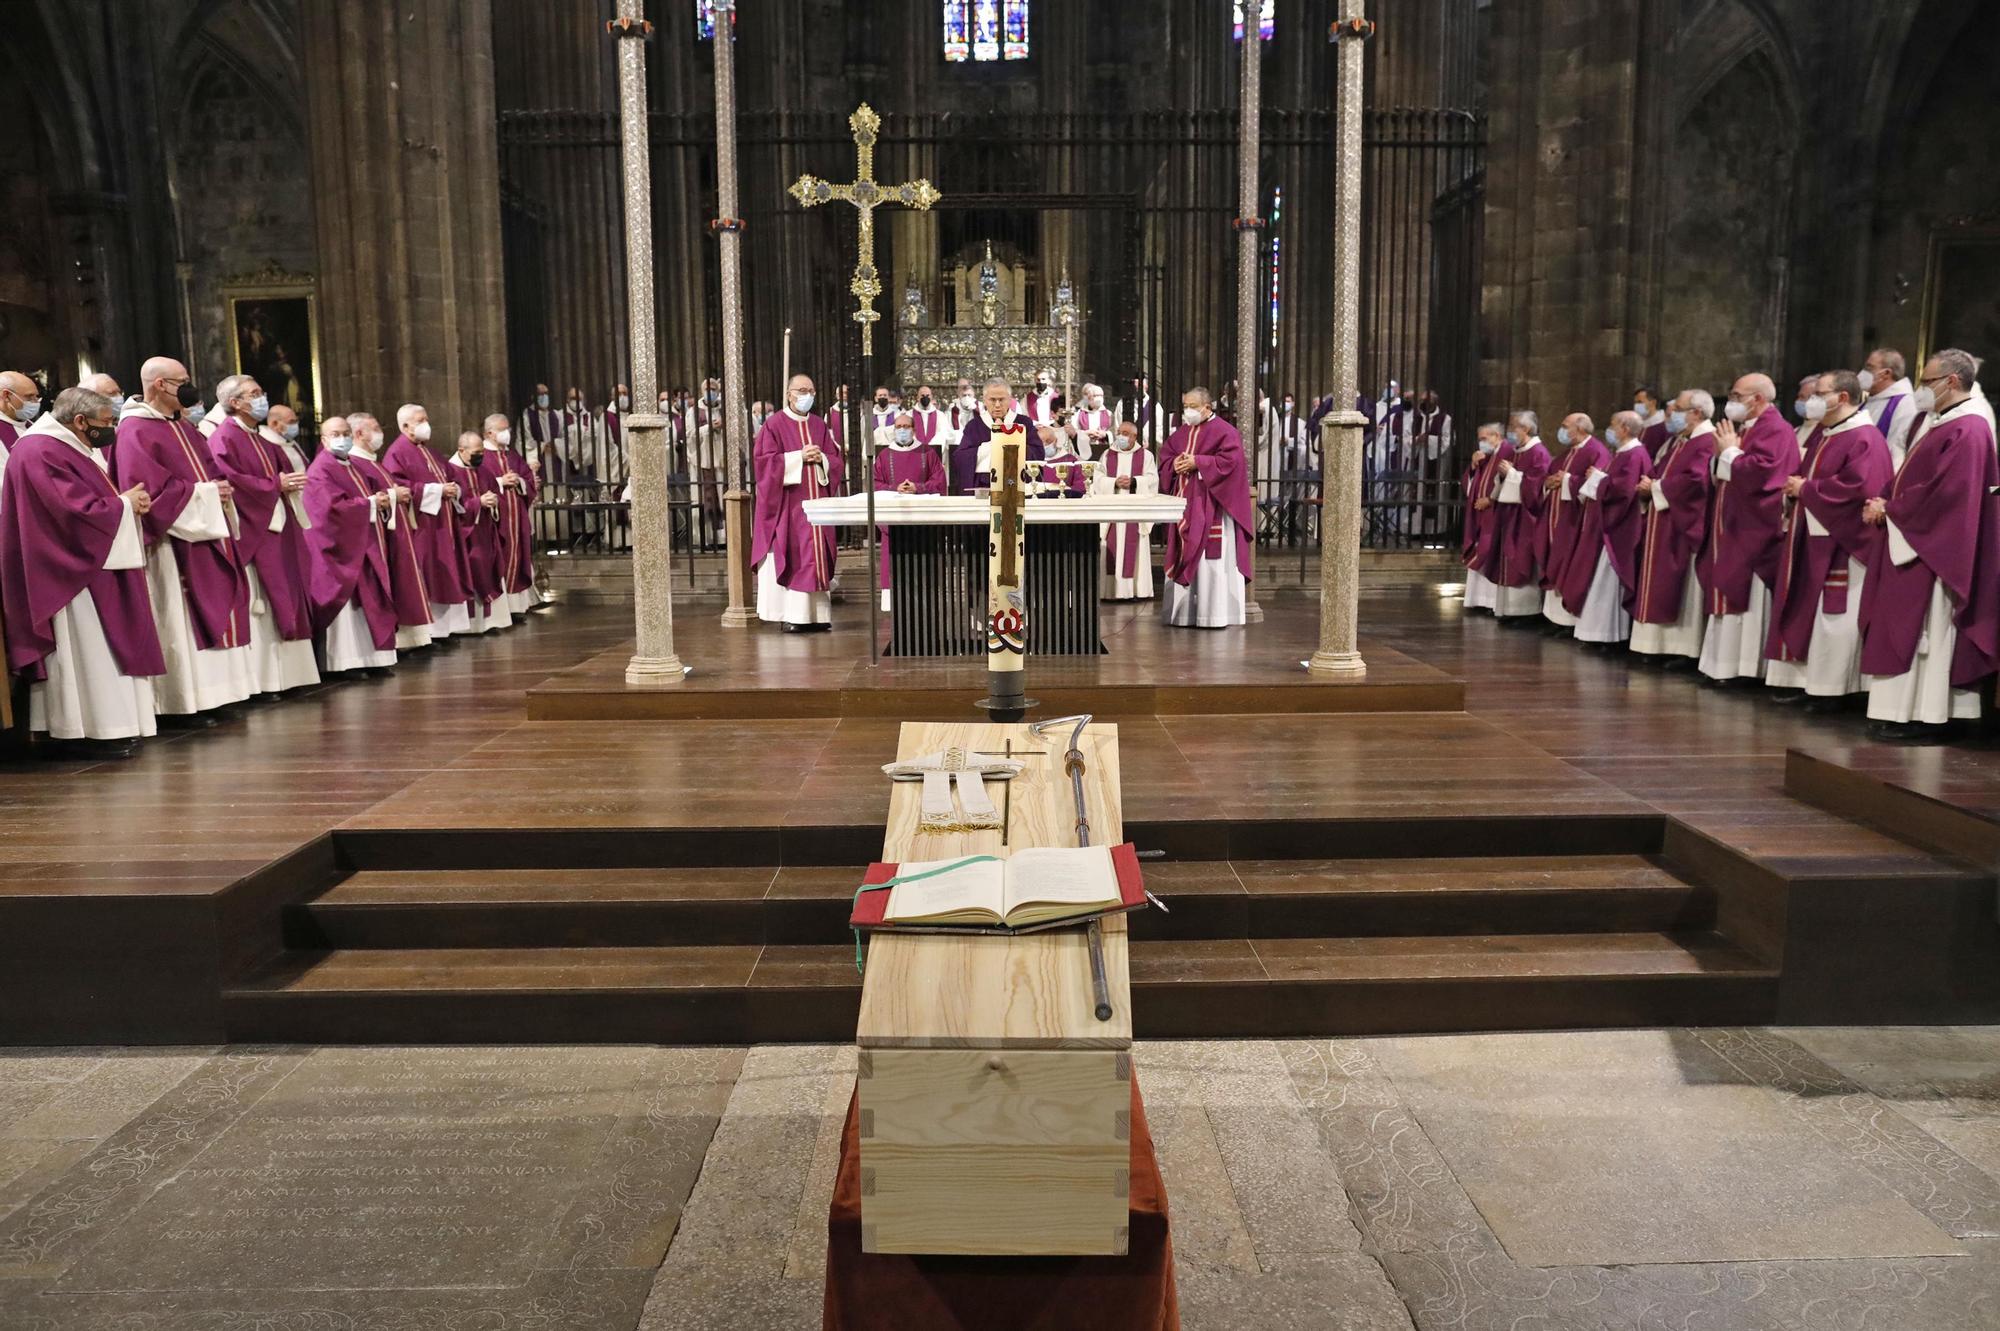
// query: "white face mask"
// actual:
[[802, 403], [1925, 400], [1095, 401], [1489, 445], [905, 435], [1867, 378], [504, 438], [966, 402], [421, 432], [1815, 408], [340, 445], [1191, 415], [1737, 412], [1643, 410]]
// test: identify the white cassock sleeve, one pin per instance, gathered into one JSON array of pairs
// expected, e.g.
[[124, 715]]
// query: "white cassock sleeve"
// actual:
[[1567, 496], [433, 500], [278, 513], [1659, 495], [1901, 552], [205, 518], [1510, 487], [1724, 460], [1814, 527], [128, 550], [1590, 484]]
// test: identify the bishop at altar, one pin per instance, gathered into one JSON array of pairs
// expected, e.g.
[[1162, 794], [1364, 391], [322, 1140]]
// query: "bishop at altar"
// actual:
[[795, 459], [1208, 550]]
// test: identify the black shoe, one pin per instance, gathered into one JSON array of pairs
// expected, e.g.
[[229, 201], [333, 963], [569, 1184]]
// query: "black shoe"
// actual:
[[1678, 665], [1787, 697], [376, 672], [1826, 706], [86, 750], [188, 721]]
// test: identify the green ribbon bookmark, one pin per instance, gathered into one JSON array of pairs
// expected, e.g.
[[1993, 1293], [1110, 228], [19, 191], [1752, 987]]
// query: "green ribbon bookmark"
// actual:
[[909, 878]]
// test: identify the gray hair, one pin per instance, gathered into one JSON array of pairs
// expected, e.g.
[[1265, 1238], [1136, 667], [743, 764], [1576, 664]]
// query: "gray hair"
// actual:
[[1961, 365], [1495, 426], [1892, 361], [998, 382], [1529, 419], [74, 402], [1589, 425], [228, 388], [1628, 422], [406, 412], [1703, 401], [1207, 398]]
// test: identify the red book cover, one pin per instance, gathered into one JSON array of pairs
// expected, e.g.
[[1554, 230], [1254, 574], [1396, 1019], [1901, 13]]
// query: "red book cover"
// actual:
[[870, 907]]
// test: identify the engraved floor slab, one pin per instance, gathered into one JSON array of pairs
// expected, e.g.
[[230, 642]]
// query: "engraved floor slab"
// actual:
[[1616, 1148]]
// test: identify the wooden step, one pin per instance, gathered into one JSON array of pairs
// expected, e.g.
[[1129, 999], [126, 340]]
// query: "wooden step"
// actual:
[[739, 994], [529, 908]]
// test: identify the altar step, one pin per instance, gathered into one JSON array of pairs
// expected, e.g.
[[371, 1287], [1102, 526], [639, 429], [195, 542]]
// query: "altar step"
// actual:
[[737, 994], [1206, 899], [1248, 947]]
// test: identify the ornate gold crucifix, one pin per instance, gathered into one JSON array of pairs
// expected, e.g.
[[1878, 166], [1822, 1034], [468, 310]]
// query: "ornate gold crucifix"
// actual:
[[866, 194]]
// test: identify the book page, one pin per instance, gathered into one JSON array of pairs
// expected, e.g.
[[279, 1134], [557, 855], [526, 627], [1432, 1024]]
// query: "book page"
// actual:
[[974, 888], [1078, 876]]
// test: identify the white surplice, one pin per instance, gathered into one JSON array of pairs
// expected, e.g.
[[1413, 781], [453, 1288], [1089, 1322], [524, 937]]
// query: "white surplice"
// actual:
[[1218, 597], [197, 679], [1136, 462], [1924, 692]]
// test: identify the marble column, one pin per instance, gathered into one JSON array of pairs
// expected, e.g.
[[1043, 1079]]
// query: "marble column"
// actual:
[[736, 412], [405, 167], [645, 429], [1249, 230], [1340, 431]]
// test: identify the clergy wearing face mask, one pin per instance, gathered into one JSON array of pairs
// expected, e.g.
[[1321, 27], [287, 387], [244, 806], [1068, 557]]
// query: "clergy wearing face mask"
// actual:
[[1061, 478], [1650, 408], [1888, 396], [932, 426], [609, 464], [1814, 647], [1094, 424], [1208, 550], [541, 433], [904, 465], [479, 531], [1755, 452], [796, 459], [1807, 424], [353, 514], [1127, 467], [440, 503], [517, 502], [1476, 539], [1045, 401], [1667, 616], [707, 434], [1510, 557], [1930, 616], [271, 536], [406, 565], [1579, 452], [1602, 579], [20, 403], [72, 575], [969, 458], [200, 592]]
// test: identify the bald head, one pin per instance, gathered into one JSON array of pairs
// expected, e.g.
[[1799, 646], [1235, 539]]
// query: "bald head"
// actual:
[[103, 384], [160, 380], [20, 399]]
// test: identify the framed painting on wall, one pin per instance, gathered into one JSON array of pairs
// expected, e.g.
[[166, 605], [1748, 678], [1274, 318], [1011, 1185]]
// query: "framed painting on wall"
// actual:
[[1962, 291], [274, 338]]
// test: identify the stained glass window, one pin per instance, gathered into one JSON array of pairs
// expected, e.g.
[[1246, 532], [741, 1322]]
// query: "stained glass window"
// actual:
[[704, 20], [1277, 208], [1267, 19], [984, 30]]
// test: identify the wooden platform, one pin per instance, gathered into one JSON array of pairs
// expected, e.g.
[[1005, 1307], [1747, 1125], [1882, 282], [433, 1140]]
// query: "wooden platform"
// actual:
[[410, 859], [1148, 670]]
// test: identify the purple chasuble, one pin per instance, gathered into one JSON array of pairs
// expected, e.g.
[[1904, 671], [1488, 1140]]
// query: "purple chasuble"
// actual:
[[1612, 523], [804, 554], [1218, 485], [1655, 437], [1942, 503], [1564, 517], [439, 544], [1478, 526], [61, 515], [965, 474], [1745, 517], [919, 465], [347, 551], [253, 466], [1844, 468], [517, 524], [406, 564], [169, 457], [1681, 472], [479, 529], [1513, 551]]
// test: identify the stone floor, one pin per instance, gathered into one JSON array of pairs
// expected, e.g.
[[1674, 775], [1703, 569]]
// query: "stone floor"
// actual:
[[1701, 1180]]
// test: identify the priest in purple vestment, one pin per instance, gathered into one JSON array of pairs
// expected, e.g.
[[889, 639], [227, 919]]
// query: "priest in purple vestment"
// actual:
[[1930, 615], [347, 546], [272, 539], [1601, 583], [194, 568], [1814, 648], [72, 574], [1755, 453], [905, 465], [1513, 557], [795, 459], [406, 565], [1667, 616], [517, 503], [1889, 398], [1477, 535], [1208, 550], [440, 502], [1582, 452], [1651, 410], [969, 455], [20, 403]]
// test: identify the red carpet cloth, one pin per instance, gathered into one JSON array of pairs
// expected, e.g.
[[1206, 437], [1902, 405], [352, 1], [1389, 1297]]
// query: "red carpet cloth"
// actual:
[[899, 1293]]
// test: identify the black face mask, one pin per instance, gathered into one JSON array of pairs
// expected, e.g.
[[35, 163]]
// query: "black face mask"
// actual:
[[881, 403], [924, 401], [187, 394], [101, 436]]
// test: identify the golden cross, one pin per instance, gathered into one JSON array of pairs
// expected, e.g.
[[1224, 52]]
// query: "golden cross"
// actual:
[[866, 194]]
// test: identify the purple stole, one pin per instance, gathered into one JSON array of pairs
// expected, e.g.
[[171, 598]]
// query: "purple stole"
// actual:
[[1842, 472], [925, 424], [169, 457], [543, 424], [1889, 410], [1125, 462], [1682, 472], [1088, 420]]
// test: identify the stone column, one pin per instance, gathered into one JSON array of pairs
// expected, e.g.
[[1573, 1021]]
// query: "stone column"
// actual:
[[1340, 430], [1249, 229], [736, 412], [645, 429], [405, 166]]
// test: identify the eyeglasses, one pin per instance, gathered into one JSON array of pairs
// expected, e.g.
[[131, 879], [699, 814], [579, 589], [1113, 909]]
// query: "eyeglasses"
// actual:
[[1934, 379]]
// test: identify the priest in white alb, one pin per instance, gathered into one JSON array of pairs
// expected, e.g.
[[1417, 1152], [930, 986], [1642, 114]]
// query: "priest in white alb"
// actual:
[[1890, 401], [1208, 550], [794, 459], [72, 574], [1127, 468]]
